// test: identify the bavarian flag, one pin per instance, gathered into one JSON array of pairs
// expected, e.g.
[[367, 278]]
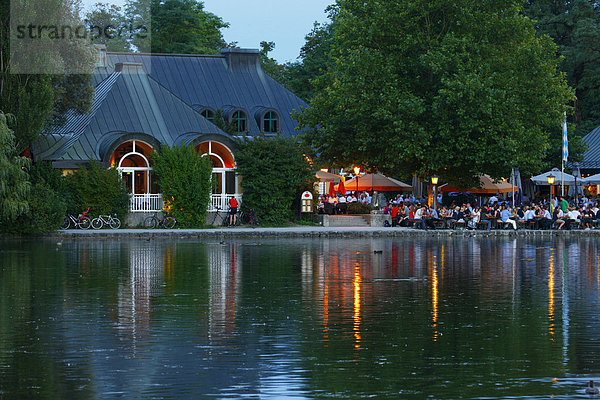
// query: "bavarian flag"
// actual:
[[565, 149]]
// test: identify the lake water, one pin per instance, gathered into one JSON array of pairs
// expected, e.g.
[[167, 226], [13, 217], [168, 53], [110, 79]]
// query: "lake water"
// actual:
[[397, 318]]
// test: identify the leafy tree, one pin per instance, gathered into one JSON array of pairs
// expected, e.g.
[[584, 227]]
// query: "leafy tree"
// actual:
[[458, 89], [275, 171], [315, 59], [98, 188], [182, 26], [108, 26], [268, 64], [575, 27], [185, 179], [38, 99], [14, 183]]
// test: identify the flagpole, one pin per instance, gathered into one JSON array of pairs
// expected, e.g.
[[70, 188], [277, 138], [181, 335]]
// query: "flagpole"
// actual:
[[562, 174], [565, 153]]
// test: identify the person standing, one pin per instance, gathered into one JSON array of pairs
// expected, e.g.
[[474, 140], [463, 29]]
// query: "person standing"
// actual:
[[233, 205], [564, 204]]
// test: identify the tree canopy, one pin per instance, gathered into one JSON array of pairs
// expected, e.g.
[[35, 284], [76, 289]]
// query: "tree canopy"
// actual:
[[456, 88]]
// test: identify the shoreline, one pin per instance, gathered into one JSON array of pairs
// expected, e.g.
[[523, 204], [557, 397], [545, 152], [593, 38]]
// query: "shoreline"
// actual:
[[301, 232]]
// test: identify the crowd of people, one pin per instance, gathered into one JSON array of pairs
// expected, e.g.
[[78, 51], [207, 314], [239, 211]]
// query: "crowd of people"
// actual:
[[560, 215], [406, 210]]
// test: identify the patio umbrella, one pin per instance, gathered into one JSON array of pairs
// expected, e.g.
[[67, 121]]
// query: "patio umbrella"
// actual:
[[376, 182], [331, 190], [542, 179], [591, 180], [486, 186], [328, 177], [341, 188]]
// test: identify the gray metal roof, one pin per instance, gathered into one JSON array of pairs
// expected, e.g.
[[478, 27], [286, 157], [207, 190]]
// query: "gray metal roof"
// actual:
[[126, 102], [161, 96], [231, 81], [591, 157]]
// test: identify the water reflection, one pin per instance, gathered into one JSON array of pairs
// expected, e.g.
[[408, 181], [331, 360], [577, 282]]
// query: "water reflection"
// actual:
[[300, 318]]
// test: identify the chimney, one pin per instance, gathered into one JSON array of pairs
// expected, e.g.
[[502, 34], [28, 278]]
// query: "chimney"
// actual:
[[129, 68], [241, 57], [100, 55]]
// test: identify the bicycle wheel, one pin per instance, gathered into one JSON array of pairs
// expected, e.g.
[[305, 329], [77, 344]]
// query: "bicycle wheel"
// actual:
[[169, 222], [150, 222], [115, 223], [97, 223], [66, 223], [84, 223]]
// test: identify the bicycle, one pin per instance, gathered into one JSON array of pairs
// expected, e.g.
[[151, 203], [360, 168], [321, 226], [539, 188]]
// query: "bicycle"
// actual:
[[249, 217], [153, 222], [101, 220], [224, 218], [81, 221]]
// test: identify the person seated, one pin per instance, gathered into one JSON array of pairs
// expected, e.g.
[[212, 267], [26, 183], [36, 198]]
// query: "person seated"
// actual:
[[507, 217], [395, 214], [558, 218], [342, 207], [418, 218]]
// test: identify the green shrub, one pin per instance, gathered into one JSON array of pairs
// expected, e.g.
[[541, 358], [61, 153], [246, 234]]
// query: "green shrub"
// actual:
[[46, 210], [98, 188], [358, 208], [274, 172], [185, 179]]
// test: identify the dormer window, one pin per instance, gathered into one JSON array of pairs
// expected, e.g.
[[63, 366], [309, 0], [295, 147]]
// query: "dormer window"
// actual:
[[239, 121], [208, 114], [270, 123]]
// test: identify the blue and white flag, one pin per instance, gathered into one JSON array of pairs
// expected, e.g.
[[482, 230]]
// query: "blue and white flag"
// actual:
[[565, 149]]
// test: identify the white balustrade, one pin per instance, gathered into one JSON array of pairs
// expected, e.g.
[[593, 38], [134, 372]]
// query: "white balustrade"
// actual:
[[154, 202], [145, 203], [221, 201]]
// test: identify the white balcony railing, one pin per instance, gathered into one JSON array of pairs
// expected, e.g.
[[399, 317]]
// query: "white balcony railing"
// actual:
[[154, 202], [221, 201], [146, 203]]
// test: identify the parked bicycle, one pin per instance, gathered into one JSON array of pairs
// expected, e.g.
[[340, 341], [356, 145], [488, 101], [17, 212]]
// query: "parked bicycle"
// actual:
[[221, 219], [81, 221], [249, 217], [154, 222], [110, 220]]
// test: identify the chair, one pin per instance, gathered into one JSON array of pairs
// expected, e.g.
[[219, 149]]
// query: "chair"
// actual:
[[458, 224]]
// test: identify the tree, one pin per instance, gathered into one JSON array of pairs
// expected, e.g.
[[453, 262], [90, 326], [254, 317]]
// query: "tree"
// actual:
[[458, 89], [315, 59], [108, 26], [183, 27], [98, 188], [268, 64], [275, 171], [14, 181], [575, 27], [185, 179], [37, 99]]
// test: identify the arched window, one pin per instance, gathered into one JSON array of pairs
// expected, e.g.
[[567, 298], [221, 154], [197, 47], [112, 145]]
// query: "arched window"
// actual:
[[208, 114], [270, 123], [224, 176], [131, 159], [239, 121]]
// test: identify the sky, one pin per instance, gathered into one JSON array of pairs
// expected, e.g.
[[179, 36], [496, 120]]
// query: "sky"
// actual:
[[285, 22]]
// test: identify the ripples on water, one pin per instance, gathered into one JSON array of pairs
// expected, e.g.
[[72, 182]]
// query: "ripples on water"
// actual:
[[480, 318]]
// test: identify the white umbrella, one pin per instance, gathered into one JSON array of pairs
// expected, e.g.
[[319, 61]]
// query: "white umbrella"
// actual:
[[591, 180], [542, 179]]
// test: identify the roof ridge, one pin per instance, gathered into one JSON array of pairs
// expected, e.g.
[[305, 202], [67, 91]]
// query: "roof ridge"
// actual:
[[167, 54]]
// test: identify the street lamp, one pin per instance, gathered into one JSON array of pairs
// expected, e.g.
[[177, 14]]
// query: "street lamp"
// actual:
[[356, 172], [434, 182], [551, 183]]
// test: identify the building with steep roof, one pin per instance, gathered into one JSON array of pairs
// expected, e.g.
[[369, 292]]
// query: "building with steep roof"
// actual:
[[144, 101]]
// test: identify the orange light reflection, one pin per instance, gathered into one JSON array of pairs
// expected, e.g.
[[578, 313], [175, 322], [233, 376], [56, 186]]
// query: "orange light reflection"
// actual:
[[551, 325], [356, 317]]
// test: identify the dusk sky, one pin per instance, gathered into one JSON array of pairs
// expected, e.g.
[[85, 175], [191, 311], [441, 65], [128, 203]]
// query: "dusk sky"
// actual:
[[250, 22]]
